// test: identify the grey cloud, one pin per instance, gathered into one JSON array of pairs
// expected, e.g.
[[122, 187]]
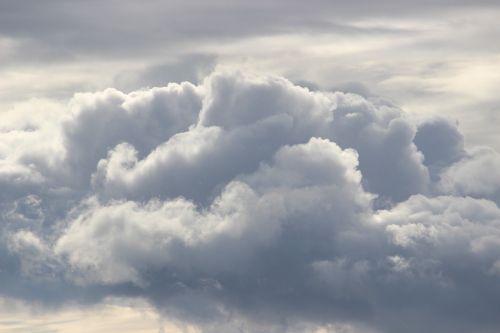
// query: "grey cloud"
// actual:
[[441, 143], [260, 113], [65, 30], [448, 243], [389, 160], [476, 175], [248, 199], [191, 68], [353, 87], [241, 214], [101, 121]]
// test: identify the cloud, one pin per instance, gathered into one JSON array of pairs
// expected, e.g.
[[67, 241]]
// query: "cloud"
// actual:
[[164, 234], [118, 315], [436, 57], [101, 121], [248, 201], [475, 175], [88, 31], [441, 144], [272, 112], [191, 67], [450, 244]]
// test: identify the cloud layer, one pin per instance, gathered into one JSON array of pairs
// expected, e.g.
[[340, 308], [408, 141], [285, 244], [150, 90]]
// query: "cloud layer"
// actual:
[[247, 200]]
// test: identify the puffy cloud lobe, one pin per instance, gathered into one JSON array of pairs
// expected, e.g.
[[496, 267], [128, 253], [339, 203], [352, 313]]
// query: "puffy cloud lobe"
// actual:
[[144, 119], [389, 160], [222, 250], [34, 253], [477, 175], [245, 120], [117, 241], [441, 143], [247, 210], [248, 197], [446, 245]]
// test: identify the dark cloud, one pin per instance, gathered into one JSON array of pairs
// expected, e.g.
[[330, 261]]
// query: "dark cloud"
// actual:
[[441, 143], [248, 199]]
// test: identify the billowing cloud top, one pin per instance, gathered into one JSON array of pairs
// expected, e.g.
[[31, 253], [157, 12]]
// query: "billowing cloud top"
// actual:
[[247, 201]]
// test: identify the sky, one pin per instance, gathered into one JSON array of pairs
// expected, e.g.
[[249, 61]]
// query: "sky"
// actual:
[[230, 166]]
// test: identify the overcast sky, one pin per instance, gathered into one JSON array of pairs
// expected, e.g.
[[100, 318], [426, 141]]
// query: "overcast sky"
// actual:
[[262, 166]]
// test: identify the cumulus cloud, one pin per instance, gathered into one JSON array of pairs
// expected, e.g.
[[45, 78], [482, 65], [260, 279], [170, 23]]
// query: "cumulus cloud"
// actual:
[[245, 217], [248, 201], [475, 175], [441, 144]]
